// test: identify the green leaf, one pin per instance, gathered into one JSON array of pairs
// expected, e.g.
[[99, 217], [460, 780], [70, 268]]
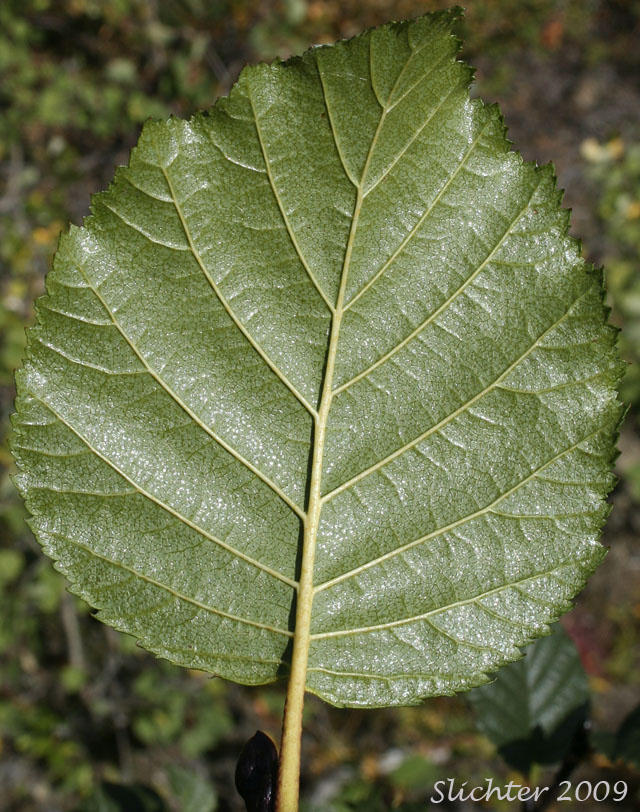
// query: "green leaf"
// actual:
[[323, 371], [624, 745], [11, 565], [416, 772], [534, 708], [110, 797], [193, 793]]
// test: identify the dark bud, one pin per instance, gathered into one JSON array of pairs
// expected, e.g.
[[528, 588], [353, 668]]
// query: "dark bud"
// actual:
[[257, 773]]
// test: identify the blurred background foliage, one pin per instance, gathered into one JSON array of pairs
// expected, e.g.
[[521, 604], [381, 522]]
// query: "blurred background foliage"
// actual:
[[84, 713]]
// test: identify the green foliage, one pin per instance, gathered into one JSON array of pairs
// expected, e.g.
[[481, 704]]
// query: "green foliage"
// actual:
[[153, 53], [534, 708], [39, 733], [251, 302], [187, 792], [415, 772], [537, 711], [167, 714], [78, 79], [191, 791], [11, 342], [627, 740], [116, 798], [98, 92], [623, 744], [615, 168]]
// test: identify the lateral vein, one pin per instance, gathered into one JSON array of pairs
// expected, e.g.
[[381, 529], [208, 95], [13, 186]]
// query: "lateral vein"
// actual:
[[442, 609], [333, 129], [78, 492], [456, 413], [133, 226], [373, 677], [284, 215], [179, 595], [196, 419], [224, 302], [252, 561], [87, 365], [464, 520], [413, 138], [421, 79], [418, 225], [444, 305]]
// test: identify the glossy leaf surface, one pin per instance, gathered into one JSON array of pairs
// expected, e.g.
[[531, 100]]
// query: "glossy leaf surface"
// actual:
[[333, 323]]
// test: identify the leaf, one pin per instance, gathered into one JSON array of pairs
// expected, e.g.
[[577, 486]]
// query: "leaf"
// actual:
[[110, 797], [415, 773], [534, 708], [323, 368], [193, 793], [624, 744]]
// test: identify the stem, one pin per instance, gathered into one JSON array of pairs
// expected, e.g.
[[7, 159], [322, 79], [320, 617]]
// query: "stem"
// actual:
[[289, 773]]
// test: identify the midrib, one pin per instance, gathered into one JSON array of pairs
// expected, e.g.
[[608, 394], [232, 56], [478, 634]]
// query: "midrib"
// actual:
[[292, 723], [289, 776], [306, 589], [314, 507]]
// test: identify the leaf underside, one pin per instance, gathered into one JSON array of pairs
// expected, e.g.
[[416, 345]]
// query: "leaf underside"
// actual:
[[168, 406]]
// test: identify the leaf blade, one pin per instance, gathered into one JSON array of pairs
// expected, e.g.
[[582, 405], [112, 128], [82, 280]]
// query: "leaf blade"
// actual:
[[327, 349]]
